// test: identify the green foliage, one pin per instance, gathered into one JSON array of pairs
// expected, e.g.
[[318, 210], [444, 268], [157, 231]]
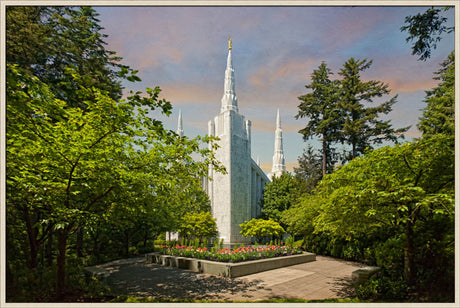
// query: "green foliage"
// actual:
[[362, 128], [260, 228], [439, 114], [397, 188], [299, 218], [198, 225], [385, 289], [323, 113], [426, 29], [46, 41], [309, 169], [89, 175], [280, 195]]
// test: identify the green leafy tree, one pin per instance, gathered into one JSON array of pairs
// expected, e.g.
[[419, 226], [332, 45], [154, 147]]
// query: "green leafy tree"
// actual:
[[63, 162], [198, 225], [279, 195], [321, 108], [79, 157], [400, 188], [426, 29], [439, 114], [299, 218], [261, 228], [362, 127]]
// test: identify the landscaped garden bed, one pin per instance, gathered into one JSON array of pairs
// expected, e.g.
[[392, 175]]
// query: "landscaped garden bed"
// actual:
[[231, 263], [235, 255]]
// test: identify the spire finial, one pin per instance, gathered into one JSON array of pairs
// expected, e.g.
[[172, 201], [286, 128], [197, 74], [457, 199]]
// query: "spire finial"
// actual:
[[278, 121], [229, 43]]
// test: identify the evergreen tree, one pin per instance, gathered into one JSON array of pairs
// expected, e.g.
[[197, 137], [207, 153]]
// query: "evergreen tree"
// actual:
[[321, 108], [47, 41], [362, 127], [439, 114], [309, 170]]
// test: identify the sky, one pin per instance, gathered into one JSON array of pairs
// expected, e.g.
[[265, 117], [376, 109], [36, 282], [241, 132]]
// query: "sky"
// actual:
[[183, 50]]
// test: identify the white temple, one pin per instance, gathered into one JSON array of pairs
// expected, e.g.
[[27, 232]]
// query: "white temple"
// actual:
[[235, 196]]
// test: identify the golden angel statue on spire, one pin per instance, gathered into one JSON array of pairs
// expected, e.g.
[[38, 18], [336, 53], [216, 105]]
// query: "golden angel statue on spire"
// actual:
[[229, 43]]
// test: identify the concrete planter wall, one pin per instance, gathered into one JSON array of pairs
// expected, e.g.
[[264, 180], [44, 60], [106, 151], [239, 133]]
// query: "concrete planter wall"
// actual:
[[230, 269]]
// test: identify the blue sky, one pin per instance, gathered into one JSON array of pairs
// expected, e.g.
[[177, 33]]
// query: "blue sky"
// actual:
[[183, 50]]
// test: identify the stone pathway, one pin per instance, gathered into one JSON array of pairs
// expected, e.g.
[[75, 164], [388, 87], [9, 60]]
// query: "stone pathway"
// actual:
[[324, 278]]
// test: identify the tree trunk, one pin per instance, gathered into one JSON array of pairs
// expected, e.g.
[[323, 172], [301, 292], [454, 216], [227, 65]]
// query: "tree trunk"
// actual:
[[324, 156], [409, 265], [34, 245], [127, 237], [95, 237], [49, 250], [79, 245], [145, 240], [61, 258]]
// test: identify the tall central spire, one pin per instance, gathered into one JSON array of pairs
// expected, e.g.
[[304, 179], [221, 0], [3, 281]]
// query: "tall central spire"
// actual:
[[278, 157], [229, 99]]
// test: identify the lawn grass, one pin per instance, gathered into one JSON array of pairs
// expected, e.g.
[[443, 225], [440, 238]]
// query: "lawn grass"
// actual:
[[133, 299]]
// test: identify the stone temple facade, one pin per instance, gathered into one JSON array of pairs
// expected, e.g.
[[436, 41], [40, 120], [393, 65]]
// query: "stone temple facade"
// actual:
[[235, 196]]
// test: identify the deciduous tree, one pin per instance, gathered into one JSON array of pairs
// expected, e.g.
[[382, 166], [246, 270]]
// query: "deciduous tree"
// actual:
[[279, 195], [392, 187], [261, 228], [198, 225]]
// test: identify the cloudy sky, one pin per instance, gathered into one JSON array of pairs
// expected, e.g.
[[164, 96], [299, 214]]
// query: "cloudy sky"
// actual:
[[275, 49]]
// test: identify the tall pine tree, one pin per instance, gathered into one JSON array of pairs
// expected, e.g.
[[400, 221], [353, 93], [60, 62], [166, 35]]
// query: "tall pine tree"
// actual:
[[439, 114], [362, 127], [320, 107]]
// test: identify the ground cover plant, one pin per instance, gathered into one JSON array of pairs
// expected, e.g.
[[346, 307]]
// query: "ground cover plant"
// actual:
[[234, 255]]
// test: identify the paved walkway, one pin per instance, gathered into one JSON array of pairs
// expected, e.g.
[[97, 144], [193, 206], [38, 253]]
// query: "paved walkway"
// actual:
[[324, 278]]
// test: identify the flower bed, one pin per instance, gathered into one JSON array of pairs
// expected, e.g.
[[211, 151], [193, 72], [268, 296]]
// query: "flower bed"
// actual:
[[235, 255]]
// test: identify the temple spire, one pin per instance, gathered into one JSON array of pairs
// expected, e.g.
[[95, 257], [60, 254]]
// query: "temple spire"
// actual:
[[278, 157], [180, 130], [229, 99]]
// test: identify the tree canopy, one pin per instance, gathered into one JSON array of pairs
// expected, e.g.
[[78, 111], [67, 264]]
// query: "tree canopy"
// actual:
[[439, 114], [426, 29], [321, 108], [279, 195], [260, 228], [87, 170], [362, 128]]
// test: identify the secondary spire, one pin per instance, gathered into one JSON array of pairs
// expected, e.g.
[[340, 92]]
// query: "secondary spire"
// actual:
[[278, 158], [180, 130]]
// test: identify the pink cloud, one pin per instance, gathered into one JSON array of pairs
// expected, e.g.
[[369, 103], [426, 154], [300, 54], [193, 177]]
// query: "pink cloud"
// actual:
[[403, 85], [184, 94]]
